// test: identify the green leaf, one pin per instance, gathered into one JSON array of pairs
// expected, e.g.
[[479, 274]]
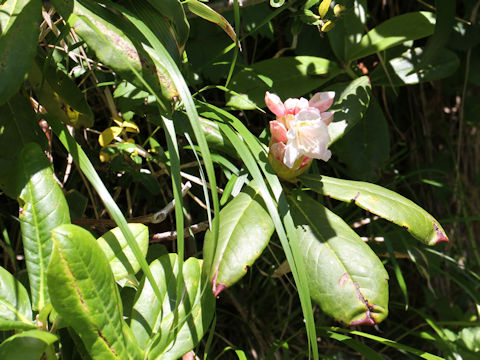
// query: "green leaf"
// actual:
[[60, 95], [352, 100], [285, 76], [119, 254], [207, 13], [173, 10], [382, 202], [19, 29], [28, 345], [83, 291], [174, 324], [160, 25], [245, 229], [445, 20], [345, 276], [15, 308], [366, 148], [404, 70], [117, 44], [19, 126], [42, 208], [392, 32]]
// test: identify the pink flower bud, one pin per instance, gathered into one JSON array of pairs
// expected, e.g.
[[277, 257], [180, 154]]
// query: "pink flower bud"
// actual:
[[274, 104], [293, 106], [278, 131], [322, 100], [277, 150], [327, 117]]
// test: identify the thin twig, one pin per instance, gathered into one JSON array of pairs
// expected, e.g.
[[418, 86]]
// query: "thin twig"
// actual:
[[172, 235], [154, 218]]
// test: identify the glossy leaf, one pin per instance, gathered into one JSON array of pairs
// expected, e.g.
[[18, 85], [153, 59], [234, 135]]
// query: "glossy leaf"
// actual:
[[344, 275], [19, 127], [171, 326], [28, 345], [15, 308], [285, 76], [42, 208], [404, 70], [382, 202], [245, 229], [83, 291], [351, 103], [19, 29], [366, 148], [393, 32], [119, 254], [207, 13], [117, 44]]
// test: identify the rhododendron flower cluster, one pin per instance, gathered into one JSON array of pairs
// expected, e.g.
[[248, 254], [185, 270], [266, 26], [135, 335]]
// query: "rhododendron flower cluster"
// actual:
[[299, 133]]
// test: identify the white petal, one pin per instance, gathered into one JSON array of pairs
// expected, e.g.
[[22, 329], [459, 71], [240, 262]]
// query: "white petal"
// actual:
[[291, 155]]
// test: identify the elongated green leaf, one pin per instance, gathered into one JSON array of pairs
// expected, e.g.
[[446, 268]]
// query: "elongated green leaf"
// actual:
[[173, 10], [19, 29], [356, 345], [366, 148], [394, 31], [160, 25], [207, 13], [118, 45], [387, 342], [403, 70], [19, 126], [42, 208], [83, 291], [253, 153], [119, 254], [345, 276], [28, 345], [444, 22], [382, 202], [15, 308], [245, 229], [170, 326], [351, 103], [286, 77]]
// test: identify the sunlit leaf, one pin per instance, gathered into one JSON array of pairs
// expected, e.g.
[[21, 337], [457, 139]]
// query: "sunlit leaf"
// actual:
[[171, 326], [382, 202], [42, 208], [351, 102], [404, 70], [119, 254], [285, 76], [28, 345], [83, 291], [345, 276], [207, 13], [392, 32], [245, 229], [15, 308]]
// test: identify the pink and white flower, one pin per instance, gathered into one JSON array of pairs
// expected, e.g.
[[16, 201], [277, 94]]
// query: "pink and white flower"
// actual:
[[299, 131]]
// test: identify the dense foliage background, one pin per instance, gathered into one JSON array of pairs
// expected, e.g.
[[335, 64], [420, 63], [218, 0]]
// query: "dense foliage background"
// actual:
[[408, 92]]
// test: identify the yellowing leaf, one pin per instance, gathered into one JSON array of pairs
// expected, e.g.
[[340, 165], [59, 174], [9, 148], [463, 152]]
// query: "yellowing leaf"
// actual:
[[328, 26], [107, 135], [323, 8], [130, 126]]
